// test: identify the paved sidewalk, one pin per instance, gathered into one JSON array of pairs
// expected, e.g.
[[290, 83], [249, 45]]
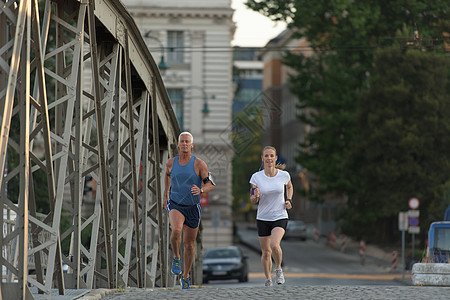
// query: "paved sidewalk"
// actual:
[[289, 292], [248, 237]]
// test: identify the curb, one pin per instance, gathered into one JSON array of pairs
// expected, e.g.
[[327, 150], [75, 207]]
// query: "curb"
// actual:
[[431, 274], [96, 294], [250, 246], [101, 293]]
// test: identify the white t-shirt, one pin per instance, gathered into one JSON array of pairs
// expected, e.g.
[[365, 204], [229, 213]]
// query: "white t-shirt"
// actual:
[[272, 205]]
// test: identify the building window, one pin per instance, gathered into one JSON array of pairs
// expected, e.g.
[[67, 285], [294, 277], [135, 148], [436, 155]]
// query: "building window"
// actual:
[[176, 98], [175, 45]]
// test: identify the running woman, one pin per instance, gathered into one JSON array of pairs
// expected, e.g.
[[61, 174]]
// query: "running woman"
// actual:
[[267, 189]]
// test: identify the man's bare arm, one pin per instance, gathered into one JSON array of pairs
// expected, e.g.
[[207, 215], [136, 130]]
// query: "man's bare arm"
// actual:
[[203, 172], [167, 182]]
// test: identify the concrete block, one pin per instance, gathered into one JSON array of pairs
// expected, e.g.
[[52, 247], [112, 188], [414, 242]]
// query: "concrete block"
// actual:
[[431, 274]]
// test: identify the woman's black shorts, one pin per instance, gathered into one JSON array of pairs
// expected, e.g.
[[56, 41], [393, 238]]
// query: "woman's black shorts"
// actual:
[[265, 227]]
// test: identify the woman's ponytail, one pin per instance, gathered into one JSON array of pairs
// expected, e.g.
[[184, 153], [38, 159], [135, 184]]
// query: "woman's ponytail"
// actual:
[[280, 166]]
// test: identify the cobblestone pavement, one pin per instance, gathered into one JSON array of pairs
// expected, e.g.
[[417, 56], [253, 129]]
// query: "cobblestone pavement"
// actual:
[[288, 292], [388, 291]]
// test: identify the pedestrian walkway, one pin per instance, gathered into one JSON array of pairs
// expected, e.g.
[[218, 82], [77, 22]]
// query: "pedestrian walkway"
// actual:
[[288, 292], [71, 294], [248, 236]]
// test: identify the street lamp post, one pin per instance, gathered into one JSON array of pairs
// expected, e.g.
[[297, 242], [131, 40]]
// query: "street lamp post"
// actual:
[[200, 110], [162, 64], [205, 108]]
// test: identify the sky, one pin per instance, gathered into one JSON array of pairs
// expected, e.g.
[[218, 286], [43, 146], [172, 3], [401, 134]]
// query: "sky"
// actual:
[[252, 28]]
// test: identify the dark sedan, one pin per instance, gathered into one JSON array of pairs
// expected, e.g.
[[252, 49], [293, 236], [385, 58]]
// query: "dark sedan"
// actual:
[[225, 263]]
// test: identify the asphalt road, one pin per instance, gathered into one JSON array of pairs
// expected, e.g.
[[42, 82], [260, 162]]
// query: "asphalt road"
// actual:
[[314, 263]]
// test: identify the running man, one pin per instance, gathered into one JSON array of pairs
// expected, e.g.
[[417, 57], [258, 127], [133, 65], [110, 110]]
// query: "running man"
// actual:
[[185, 179]]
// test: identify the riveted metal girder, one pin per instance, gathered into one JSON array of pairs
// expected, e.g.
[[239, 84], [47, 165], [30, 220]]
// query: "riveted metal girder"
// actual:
[[80, 97]]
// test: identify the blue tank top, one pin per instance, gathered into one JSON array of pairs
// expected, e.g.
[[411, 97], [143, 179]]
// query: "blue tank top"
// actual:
[[182, 178]]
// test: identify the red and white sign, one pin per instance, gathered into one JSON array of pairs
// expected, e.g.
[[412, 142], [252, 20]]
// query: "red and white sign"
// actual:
[[413, 203], [204, 199], [394, 261]]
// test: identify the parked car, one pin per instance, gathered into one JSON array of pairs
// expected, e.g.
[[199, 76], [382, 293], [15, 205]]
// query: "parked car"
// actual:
[[295, 229], [225, 263], [439, 242]]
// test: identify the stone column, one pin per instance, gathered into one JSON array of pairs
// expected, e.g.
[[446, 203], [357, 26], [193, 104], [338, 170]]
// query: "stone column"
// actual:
[[197, 89]]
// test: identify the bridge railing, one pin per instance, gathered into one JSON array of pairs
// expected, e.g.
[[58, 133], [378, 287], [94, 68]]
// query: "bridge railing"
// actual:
[[81, 96]]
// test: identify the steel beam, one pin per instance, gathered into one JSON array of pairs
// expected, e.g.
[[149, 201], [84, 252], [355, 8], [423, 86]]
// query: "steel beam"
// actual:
[[67, 113]]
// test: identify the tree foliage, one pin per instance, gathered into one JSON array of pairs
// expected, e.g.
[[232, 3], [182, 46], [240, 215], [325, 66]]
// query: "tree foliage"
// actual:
[[345, 35], [247, 159], [401, 146]]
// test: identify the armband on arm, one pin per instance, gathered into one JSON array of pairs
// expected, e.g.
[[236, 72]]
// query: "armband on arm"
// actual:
[[209, 178]]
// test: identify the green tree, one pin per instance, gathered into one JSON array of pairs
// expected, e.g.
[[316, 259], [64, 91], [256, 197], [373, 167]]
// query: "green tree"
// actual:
[[344, 35], [401, 148], [247, 159]]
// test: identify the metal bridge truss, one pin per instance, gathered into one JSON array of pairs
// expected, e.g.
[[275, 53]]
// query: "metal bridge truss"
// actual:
[[80, 95]]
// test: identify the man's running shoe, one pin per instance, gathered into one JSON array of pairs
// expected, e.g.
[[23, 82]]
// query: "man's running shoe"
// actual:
[[280, 276], [268, 282], [176, 266], [185, 283]]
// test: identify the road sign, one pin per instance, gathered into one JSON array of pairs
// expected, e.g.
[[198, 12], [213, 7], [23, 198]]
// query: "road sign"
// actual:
[[204, 199], [415, 229], [402, 220], [413, 213], [413, 203], [413, 222]]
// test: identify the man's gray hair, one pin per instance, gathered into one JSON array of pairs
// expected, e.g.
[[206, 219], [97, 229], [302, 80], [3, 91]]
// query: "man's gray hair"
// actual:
[[186, 133]]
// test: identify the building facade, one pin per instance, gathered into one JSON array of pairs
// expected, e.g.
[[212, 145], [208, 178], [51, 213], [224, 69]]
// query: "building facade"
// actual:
[[194, 40], [247, 77]]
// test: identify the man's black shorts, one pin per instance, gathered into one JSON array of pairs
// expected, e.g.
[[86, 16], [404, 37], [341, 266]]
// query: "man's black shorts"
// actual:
[[265, 227], [191, 213]]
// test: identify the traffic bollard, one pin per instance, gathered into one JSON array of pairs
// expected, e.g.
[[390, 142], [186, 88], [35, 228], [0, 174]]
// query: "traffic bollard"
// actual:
[[394, 261], [333, 240], [316, 234], [343, 244], [362, 251]]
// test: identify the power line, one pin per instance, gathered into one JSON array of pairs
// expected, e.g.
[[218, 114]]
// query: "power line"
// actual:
[[288, 48]]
